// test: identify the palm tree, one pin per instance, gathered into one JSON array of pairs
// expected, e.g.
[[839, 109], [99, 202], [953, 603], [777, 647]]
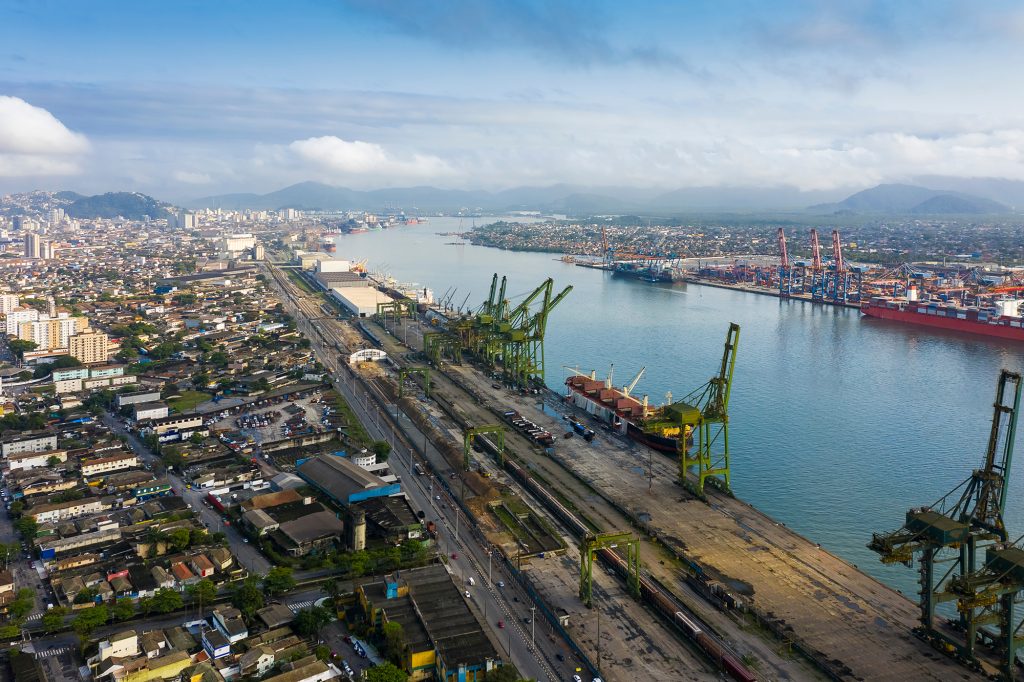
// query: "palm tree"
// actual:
[[332, 588]]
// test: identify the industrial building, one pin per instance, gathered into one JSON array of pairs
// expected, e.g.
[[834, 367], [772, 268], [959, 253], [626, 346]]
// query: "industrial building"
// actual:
[[360, 301], [343, 481], [443, 638]]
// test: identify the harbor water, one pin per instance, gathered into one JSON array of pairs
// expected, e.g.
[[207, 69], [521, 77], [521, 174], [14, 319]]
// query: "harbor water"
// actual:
[[838, 423]]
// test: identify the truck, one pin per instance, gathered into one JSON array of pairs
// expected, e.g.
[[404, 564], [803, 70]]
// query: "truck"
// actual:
[[431, 529]]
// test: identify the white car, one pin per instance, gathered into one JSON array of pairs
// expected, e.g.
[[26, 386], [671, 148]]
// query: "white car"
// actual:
[[468, 595]]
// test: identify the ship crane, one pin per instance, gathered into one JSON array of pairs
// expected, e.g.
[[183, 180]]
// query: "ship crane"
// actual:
[[628, 388], [950, 530]]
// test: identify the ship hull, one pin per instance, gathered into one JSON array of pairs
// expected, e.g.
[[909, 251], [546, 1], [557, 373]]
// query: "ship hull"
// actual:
[[1002, 331], [669, 446]]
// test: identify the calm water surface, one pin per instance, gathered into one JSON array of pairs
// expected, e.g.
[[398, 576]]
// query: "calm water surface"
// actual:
[[838, 424]]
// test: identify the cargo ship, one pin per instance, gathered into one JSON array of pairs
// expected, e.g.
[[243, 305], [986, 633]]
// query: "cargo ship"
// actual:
[[657, 427], [1001, 319], [646, 273]]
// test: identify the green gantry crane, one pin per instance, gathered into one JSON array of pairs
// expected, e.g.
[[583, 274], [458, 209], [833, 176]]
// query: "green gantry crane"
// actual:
[[406, 371], [951, 530], [467, 441], [592, 543]]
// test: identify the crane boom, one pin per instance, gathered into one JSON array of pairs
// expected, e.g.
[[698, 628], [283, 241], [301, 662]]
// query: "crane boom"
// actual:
[[815, 250], [782, 249], [628, 388], [837, 252]]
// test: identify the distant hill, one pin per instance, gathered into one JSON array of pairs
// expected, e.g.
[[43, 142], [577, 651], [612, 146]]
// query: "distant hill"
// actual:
[[570, 199], [911, 200], [129, 205]]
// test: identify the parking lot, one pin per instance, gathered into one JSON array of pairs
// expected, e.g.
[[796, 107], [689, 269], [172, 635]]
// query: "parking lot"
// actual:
[[270, 419]]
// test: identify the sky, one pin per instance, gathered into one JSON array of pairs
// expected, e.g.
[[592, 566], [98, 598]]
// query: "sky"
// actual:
[[192, 98]]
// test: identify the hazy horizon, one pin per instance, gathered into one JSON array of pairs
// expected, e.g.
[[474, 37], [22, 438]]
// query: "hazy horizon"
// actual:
[[187, 100]]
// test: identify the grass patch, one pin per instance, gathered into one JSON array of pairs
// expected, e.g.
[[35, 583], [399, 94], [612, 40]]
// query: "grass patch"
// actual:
[[353, 429], [188, 400], [297, 279]]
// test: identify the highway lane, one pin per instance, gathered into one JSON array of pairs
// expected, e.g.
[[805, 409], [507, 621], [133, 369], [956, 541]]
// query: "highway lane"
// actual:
[[494, 604]]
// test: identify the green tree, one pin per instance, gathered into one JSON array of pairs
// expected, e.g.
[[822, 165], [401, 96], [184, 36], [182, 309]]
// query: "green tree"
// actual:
[[10, 632], [89, 619], [53, 620], [278, 580], [85, 596], [23, 603], [28, 527], [394, 642], [53, 461], [382, 449], [146, 605], [123, 609], [17, 507], [248, 597], [166, 600], [179, 538], [385, 672], [322, 652], [20, 346], [203, 592], [310, 621]]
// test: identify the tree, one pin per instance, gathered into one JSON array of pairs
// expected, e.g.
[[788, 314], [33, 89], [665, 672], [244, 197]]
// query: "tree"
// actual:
[[278, 580], [28, 527], [394, 642], [203, 592], [17, 507], [20, 346], [310, 621], [332, 588], [248, 597], [385, 672], [53, 461], [53, 620], [23, 603], [9, 632], [382, 449], [89, 619], [322, 652], [123, 609], [166, 600], [179, 538], [146, 605], [85, 596]]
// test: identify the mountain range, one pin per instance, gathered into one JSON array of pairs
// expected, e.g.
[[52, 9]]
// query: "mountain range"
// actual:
[[993, 197]]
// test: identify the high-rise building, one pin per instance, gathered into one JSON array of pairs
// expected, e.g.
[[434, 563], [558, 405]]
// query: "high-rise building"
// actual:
[[258, 252], [8, 302], [88, 346], [18, 315], [48, 332], [185, 220], [33, 245], [47, 252]]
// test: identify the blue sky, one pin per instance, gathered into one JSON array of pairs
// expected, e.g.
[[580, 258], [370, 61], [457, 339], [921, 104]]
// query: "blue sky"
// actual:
[[184, 99]]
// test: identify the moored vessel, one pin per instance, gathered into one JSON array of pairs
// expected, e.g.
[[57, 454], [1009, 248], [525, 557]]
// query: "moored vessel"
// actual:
[[1001, 319]]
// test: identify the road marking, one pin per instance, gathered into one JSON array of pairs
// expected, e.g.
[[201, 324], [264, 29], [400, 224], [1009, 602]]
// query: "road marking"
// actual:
[[299, 605], [52, 652], [34, 616]]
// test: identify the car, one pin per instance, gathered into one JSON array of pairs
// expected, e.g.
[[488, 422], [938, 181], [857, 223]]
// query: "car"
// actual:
[[468, 595], [348, 639], [496, 386], [527, 620], [501, 624], [560, 656], [437, 497], [455, 555], [515, 598], [245, 540], [577, 678], [501, 583]]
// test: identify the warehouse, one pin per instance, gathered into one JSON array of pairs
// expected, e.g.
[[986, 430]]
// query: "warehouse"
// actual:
[[343, 481], [360, 301]]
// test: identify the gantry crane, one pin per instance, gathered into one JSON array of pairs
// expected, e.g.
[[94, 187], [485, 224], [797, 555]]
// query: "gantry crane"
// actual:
[[951, 530], [785, 272], [592, 543], [467, 441], [406, 371]]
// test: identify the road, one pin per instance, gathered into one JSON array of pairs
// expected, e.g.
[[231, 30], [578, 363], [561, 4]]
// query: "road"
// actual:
[[247, 556], [493, 604]]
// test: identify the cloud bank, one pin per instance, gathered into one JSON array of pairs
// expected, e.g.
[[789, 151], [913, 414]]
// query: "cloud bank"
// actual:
[[33, 142]]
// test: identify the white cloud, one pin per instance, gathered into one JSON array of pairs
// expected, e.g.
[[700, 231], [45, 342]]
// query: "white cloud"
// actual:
[[191, 178], [33, 142], [354, 160]]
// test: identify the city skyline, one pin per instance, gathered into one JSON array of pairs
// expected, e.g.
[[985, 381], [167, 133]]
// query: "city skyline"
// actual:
[[187, 100]]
